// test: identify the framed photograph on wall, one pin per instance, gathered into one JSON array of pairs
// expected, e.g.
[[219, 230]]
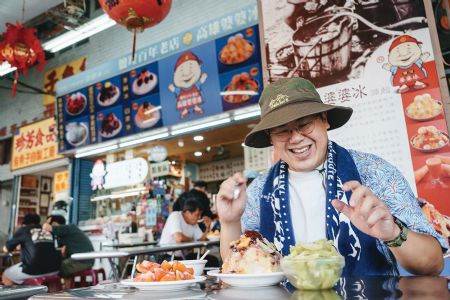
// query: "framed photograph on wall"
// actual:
[[45, 200], [46, 184]]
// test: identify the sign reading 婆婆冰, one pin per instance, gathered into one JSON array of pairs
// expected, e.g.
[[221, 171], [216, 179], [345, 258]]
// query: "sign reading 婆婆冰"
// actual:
[[379, 60], [199, 73]]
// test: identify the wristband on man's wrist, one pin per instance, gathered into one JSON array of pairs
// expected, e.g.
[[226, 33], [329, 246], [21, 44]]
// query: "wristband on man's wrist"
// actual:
[[398, 241]]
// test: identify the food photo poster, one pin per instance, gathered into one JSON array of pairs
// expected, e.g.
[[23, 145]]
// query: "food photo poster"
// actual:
[[377, 58]]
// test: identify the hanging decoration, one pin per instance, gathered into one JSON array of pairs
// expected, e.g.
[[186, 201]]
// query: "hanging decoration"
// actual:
[[136, 15], [21, 49]]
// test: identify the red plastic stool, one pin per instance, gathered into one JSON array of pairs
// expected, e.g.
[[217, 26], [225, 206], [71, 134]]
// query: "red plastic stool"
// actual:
[[83, 278], [102, 272], [53, 282]]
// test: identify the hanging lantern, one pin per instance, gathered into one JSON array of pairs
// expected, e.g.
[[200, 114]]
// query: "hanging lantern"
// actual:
[[136, 15], [21, 49]]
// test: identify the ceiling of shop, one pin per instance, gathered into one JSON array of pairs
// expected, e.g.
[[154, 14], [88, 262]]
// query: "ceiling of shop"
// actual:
[[49, 17], [11, 10], [225, 143]]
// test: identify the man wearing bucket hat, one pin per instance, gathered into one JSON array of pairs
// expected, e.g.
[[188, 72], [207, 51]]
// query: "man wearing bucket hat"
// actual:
[[320, 190]]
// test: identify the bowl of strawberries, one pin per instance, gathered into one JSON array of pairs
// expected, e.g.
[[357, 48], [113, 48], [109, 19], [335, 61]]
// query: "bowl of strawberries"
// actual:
[[75, 103]]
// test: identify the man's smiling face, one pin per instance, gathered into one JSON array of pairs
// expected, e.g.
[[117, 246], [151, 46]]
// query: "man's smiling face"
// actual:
[[187, 74], [405, 54]]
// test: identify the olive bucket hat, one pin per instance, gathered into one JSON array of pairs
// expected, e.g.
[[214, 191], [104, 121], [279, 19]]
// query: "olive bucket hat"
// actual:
[[289, 99]]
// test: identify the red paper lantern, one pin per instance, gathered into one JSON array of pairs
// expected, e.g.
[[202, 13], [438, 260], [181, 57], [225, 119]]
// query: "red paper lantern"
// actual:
[[136, 15], [21, 49]]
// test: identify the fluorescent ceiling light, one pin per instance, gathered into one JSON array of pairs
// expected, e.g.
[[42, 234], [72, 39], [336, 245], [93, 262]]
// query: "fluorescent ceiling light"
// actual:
[[189, 128], [144, 139], [96, 151], [6, 68], [80, 33], [247, 115]]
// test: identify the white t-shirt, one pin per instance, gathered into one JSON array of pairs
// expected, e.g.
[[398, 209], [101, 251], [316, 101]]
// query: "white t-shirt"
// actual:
[[307, 202], [176, 223]]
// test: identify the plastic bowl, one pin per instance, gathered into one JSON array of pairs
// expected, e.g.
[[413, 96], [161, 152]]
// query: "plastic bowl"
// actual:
[[213, 237], [198, 265], [309, 273]]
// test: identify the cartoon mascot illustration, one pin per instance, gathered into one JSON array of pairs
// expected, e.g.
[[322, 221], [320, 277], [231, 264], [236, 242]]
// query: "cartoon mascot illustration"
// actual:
[[406, 63], [187, 80], [98, 175]]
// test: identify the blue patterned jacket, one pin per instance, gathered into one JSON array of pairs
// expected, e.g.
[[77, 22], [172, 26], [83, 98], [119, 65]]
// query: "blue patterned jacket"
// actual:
[[385, 181]]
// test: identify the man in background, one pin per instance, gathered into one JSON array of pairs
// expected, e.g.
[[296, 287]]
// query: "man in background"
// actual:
[[182, 227], [199, 192], [72, 240], [38, 253]]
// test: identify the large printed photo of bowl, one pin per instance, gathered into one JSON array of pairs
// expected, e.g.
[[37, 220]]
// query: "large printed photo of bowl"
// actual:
[[147, 115], [108, 95], [429, 139], [331, 41], [75, 103], [424, 108], [76, 133], [241, 88], [237, 50], [109, 123], [144, 82]]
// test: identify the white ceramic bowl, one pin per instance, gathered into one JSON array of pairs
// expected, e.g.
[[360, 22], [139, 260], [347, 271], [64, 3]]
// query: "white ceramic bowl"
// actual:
[[198, 265], [249, 280]]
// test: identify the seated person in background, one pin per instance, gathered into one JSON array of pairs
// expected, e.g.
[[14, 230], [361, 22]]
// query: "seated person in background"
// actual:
[[182, 226], [72, 240], [199, 192], [39, 256]]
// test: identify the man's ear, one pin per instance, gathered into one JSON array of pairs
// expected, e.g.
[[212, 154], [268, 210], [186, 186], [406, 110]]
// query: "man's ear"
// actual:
[[324, 118]]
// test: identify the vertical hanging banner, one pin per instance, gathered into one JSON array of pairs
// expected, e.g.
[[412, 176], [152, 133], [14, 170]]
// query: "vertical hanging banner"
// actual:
[[377, 58], [61, 186]]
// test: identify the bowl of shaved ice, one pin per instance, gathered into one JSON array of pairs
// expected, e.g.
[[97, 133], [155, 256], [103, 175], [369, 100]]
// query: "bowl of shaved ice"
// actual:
[[313, 266]]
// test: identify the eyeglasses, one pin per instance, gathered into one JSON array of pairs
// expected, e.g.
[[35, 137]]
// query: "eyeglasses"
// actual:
[[302, 126]]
